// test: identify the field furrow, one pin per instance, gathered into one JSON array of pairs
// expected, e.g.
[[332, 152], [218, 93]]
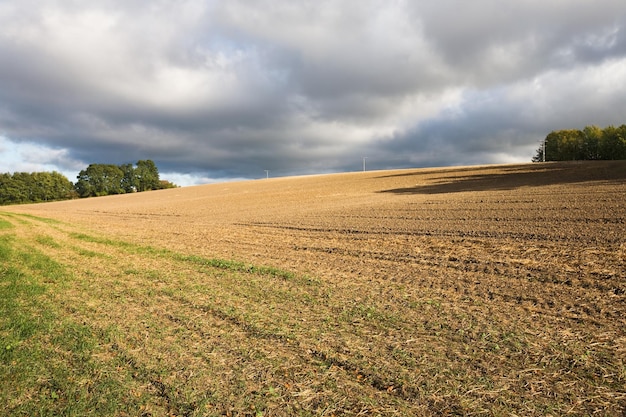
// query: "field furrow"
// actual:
[[426, 292]]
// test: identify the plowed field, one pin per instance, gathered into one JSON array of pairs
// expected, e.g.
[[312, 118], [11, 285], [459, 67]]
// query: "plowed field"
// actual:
[[497, 290]]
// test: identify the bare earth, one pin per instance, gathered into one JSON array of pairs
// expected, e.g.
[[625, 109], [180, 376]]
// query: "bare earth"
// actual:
[[509, 281]]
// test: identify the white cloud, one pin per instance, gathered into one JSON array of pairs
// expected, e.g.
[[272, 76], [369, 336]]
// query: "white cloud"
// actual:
[[225, 89], [32, 157]]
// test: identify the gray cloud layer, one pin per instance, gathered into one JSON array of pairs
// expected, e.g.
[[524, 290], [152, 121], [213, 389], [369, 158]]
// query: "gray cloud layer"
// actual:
[[229, 88]]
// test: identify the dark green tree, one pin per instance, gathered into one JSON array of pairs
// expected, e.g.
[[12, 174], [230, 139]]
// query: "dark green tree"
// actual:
[[12, 189], [129, 181], [62, 188], [41, 187], [147, 175], [106, 179], [23, 187], [100, 180], [83, 186]]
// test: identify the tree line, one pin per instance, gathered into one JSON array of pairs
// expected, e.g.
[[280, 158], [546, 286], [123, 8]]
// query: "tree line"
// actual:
[[588, 144], [107, 179], [22, 187], [95, 180]]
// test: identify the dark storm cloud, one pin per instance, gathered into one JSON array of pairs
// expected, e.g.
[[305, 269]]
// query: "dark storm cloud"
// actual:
[[496, 125], [492, 41], [229, 88]]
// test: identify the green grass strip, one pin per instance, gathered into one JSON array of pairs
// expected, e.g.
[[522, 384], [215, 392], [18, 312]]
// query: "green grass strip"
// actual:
[[223, 264], [5, 224], [236, 266], [48, 364]]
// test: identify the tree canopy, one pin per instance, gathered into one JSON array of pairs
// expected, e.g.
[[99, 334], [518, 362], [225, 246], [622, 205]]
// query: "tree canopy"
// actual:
[[146, 176], [23, 187], [95, 180], [99, 180], [106, 179], [591, 143]]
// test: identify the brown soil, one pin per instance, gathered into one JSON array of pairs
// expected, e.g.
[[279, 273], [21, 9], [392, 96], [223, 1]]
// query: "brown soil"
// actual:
[[513, 274], [379, 224]]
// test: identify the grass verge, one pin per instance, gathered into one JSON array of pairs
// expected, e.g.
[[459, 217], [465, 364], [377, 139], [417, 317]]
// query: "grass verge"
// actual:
[[49, 362]]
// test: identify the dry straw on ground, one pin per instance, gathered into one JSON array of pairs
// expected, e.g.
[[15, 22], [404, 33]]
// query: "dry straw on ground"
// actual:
[[465, 291]]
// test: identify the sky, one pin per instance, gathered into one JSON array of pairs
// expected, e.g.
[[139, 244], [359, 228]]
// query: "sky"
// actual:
[[218, 90]]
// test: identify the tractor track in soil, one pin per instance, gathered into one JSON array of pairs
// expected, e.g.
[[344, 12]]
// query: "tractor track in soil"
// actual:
[[535, 252]]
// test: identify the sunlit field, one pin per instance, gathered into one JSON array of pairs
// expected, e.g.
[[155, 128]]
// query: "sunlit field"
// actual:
[[496, 290]]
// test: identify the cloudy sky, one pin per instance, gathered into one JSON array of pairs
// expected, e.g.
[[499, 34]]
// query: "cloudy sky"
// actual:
[[225, 89]]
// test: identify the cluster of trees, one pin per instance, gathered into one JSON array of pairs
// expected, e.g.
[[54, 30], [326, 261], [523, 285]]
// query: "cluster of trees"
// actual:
[[107, 179], [591, 143], [95, 180], [22, 187]]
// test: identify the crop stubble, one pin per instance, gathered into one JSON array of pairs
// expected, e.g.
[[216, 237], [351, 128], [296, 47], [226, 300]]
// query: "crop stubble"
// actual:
[[447, 291]]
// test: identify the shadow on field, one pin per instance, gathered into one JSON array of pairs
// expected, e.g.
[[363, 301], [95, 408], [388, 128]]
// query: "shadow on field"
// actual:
[[509, 178]]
